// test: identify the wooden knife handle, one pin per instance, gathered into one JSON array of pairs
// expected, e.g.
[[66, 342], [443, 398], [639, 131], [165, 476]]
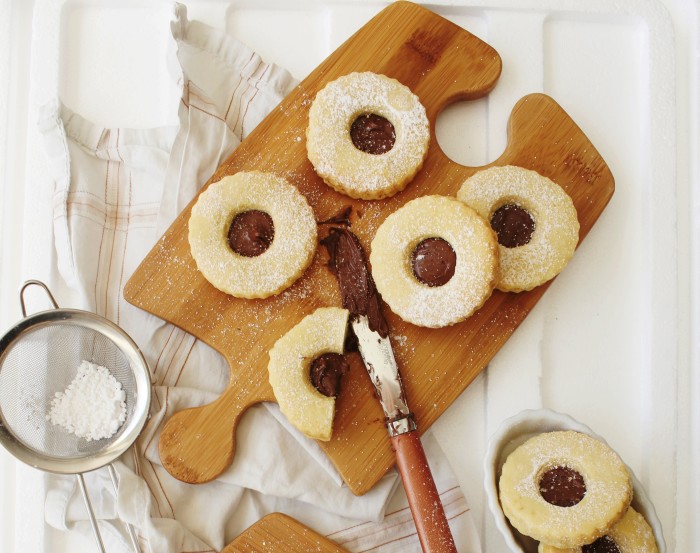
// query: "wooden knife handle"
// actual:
[[423, 498]]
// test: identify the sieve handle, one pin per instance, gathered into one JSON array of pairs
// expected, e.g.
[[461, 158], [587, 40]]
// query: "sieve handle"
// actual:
[[129, 527], [91, 514], [29, 283]]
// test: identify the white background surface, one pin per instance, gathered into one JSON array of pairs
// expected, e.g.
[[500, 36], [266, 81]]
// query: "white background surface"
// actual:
[[614, 341]]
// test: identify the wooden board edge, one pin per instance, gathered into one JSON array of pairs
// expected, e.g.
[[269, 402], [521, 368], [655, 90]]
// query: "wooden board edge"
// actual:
[[280, 533]]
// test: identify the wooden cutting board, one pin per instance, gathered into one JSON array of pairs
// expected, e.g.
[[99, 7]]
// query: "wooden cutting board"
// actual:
[[441, 63], [278, 533]]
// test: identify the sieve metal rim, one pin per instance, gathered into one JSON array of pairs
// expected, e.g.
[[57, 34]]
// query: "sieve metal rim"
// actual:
[[137, 363]]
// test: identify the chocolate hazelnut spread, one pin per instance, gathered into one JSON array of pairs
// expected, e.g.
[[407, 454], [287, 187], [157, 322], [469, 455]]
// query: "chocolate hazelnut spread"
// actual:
[[602, 545], [433, 261], [251, 233], [372, 134], [326, 372], [562, 486], [357, 289], [513, 225]]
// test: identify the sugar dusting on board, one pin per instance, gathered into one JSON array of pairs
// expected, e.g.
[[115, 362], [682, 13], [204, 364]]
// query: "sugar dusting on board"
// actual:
[[93, 406]]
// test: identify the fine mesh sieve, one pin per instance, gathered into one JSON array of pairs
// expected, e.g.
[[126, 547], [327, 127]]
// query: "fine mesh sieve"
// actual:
[[39, 357]]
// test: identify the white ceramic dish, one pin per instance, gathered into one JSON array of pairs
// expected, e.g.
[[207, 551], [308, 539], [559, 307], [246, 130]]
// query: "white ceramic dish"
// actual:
[[516, 430]]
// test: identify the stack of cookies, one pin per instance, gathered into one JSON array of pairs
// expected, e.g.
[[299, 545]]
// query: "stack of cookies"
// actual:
[[572, 493]]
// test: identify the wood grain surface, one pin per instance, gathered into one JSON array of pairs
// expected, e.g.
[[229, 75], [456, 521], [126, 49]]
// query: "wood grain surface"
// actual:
[[441, 63], [278, 533]]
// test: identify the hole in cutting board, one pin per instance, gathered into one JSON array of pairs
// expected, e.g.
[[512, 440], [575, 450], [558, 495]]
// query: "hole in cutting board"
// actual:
[[464, 134]]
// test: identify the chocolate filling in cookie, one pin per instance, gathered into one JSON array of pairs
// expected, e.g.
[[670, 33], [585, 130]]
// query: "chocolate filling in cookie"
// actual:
[[562, 486], [373, 134], [513, 225], [433, 261], [326, 372], [251, 233], [602, 545]]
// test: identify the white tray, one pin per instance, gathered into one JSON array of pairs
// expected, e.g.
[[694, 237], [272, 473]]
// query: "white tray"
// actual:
[[609, 343]]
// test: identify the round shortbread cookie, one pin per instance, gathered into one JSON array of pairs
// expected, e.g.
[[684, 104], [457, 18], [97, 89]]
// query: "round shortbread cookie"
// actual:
[[290, 251], [321, 332], [330, 147], [632, 534], [475, 271], [548, 234], [524, 483]]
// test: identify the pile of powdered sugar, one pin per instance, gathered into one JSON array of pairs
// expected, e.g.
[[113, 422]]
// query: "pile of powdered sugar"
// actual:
[[92, 406]]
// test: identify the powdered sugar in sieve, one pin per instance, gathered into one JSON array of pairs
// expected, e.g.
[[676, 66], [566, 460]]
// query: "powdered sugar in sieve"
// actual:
[[93, 406]]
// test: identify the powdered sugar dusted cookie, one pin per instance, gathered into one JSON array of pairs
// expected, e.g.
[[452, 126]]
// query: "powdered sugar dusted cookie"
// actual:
[[367, 136], [301, 370], [564, 488], [632, 534], [434, 261], [252, 234], [534, 218]]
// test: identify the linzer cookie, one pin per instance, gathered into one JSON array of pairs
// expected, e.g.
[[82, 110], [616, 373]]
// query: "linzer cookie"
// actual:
[[534, 218], [252, 234], [305, 368], [632, 534], [435, 261], [367, 135], [564, 488]]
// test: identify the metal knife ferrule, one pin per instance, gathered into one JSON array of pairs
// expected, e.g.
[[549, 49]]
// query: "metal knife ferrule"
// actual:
[[401, 426]]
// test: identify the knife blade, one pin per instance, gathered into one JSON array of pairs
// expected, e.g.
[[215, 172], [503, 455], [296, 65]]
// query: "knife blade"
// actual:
[[423, 498], [378, 357]]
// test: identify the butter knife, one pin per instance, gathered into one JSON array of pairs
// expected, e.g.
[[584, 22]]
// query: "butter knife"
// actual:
[[423, 498]]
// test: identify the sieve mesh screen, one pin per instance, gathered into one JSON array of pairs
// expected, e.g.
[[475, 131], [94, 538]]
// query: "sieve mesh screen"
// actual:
[[45, 361]]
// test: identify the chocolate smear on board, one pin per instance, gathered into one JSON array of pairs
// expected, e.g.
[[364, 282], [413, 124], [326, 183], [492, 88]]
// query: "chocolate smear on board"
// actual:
[[357, 289]]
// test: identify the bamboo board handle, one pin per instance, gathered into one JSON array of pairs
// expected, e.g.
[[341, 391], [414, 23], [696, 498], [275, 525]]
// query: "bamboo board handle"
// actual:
[[198, 443], [423, 498]]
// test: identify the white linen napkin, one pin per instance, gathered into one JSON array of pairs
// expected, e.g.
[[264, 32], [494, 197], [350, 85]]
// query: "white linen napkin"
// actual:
[[115, 192]]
